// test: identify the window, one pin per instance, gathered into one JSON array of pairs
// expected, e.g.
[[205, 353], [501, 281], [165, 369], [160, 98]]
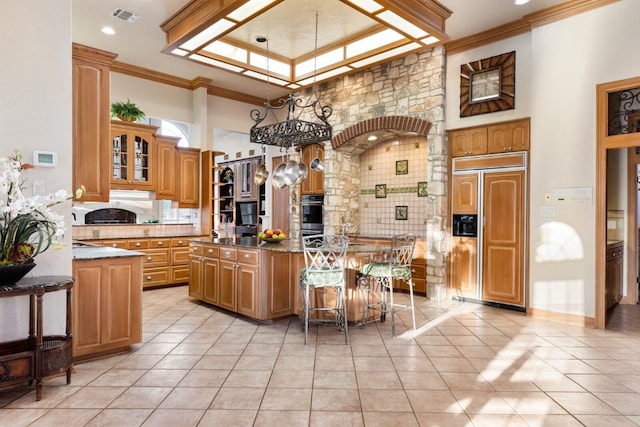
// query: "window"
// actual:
[[172, 128]]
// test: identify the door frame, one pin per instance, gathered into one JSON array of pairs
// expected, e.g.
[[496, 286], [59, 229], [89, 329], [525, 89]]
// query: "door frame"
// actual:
[[633, 160], [605, 142]]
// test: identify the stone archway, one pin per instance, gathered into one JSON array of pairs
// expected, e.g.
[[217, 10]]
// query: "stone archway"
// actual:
[[357, 134]]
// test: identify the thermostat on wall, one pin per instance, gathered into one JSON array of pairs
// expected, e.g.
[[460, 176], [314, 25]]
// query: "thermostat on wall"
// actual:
[[45, 158]]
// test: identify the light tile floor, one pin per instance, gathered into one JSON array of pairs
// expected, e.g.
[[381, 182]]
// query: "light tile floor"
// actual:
[[466, 365]]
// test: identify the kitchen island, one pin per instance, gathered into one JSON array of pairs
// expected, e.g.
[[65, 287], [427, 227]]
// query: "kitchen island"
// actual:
[[261, 280], [107, 300]]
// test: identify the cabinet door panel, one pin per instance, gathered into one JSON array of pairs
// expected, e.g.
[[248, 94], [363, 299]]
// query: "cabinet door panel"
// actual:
[[195, 274], [189, 178], [86, 308], [465, 194], [227, 285], [248, 290], [210, 280], [503, 247], [167, 176], [117, 304], [464, 267]]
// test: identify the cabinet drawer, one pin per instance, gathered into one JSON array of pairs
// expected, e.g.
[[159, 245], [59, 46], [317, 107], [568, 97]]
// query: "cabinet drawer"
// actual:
[[418, 271], [228, 254], [211, 252], [180, 274], [159, 243], [17, 367], [179, 256], [138, 244], [180, 242], [196, 248], [122, 244], [155, 276], [155, 258], [248, 257], [614, 251]]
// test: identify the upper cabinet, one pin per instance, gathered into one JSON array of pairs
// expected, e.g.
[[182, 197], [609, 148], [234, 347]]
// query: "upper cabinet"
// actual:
[[245, 188], [506, 137], [167, 164], [490, 139], [314, 184], [468, 142], [189, 177], [133, 154], [91, 94]]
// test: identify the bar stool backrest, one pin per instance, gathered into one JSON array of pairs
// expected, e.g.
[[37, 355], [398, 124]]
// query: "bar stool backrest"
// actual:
[[325, 259], [401, 254]]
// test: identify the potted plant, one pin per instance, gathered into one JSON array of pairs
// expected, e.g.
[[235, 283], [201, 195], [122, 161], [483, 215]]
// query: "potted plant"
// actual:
[[126, 111], [28, 225]]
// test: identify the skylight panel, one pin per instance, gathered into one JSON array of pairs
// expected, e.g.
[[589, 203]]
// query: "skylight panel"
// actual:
[[386, 55], [227, 50], [209, 34], [372, 42], [402, 24], [275, 66], [324, 60]]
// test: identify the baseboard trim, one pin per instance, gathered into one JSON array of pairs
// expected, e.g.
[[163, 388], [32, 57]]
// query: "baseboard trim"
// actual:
[[572, 319], [490, 303]]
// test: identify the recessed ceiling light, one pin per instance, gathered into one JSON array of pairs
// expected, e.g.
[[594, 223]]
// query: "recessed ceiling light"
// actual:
[[108, 30], [520, 2], [372, 138]]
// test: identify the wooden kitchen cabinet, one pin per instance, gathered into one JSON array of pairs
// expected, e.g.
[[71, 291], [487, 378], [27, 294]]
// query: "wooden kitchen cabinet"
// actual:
[[244, 170], [189, 182], [227, 278], [91, 110], [210, 275], [614, 273], [239, 280], [179, 260], [195, 270], [490, 139], [133, 156], [468, 142], [280, 203], [509, 136], [167, 167], [248, 282], [281, 280], [503, 237], [465, 194], [464, 266], [107, 305], [314, 184]]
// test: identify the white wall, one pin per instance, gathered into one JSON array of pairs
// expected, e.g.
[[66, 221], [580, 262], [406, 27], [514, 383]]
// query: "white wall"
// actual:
[[155, 99], [557, 70], [36, 114]]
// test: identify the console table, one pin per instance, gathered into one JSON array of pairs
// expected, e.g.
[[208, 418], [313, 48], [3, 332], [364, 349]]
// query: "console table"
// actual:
[[37, 356]]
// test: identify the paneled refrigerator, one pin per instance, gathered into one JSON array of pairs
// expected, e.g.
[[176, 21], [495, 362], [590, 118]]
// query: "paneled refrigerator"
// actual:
[[489, 228]]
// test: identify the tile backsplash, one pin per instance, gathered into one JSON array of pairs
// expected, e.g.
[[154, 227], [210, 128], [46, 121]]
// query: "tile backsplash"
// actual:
[[394, 168], [615, 225]]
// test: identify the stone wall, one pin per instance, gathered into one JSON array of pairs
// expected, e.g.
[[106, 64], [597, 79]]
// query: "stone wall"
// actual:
[[412, 86]]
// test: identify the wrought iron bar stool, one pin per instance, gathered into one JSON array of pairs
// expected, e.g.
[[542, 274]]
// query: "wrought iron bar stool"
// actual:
[[325, 260], [377, 278]]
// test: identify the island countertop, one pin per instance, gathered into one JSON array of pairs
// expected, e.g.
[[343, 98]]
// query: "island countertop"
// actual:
[[96, 252], [287, 245]]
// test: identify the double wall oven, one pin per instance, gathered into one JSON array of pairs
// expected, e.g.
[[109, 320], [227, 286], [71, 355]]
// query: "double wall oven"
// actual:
[[311, 210]]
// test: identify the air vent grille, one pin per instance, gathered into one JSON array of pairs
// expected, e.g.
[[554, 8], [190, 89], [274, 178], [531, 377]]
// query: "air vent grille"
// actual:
[[125, 15]]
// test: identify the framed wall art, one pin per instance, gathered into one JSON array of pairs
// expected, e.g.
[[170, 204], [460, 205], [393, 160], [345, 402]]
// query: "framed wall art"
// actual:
[[402, 213], [381, 191], [422, 189], [402, 167], [488, 85]]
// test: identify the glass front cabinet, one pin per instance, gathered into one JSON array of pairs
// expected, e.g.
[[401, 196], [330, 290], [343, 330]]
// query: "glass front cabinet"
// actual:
[[133, 156]]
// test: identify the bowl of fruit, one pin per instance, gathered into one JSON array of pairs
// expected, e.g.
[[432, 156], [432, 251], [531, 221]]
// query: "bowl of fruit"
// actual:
[[272, 236]]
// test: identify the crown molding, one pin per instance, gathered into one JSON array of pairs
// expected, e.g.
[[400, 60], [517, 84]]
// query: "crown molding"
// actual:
[[525, 24], [80, 51]]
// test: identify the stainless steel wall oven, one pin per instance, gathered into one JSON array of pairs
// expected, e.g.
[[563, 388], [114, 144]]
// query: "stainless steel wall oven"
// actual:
[[311, 209]]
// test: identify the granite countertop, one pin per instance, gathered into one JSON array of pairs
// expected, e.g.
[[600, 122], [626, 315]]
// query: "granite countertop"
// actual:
[[283, 246], [614, 242], [96, 252]]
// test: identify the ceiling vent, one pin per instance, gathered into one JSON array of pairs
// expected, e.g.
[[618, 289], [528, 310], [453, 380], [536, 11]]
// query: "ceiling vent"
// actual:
[[125, 15]]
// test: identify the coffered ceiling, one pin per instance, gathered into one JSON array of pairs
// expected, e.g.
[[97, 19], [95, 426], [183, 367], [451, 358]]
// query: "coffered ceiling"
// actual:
[[350, 34]]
